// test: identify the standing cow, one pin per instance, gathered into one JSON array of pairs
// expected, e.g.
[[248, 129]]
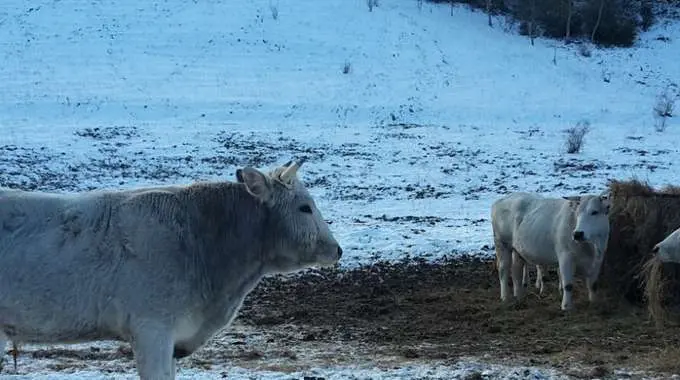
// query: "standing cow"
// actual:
[[571, 232], [163, 268]]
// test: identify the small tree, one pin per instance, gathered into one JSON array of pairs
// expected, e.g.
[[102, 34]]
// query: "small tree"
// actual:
[[575, 136], [598, 21], [488, 12], [371, 4], [663, 109], [347, 67], [274, 8]]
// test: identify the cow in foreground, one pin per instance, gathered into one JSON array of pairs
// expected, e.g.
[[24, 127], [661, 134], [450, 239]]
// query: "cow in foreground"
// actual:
[[163, 268], [571, 232]]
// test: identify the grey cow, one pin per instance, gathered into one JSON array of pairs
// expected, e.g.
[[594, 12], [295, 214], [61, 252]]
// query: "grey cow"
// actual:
[[532, 229], [163, 268]]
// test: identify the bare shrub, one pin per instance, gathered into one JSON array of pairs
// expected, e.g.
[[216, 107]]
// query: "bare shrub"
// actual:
[[275, 11], [371, 4], [575, 137], [663, 109], [347, 67]]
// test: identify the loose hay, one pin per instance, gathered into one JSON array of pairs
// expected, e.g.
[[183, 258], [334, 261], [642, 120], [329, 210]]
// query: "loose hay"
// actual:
[[655, 286], [640, 217]]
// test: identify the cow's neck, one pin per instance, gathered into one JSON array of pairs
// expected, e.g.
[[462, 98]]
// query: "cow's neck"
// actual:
[[230, 228]]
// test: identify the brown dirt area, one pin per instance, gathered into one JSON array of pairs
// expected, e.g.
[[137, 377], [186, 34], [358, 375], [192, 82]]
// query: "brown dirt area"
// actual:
[[441, 311]]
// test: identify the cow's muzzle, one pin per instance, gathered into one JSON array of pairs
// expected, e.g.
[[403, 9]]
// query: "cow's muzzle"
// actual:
[[579, 236], [655, 249]]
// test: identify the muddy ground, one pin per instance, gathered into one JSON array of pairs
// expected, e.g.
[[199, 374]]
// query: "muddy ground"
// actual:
[[442, 311]]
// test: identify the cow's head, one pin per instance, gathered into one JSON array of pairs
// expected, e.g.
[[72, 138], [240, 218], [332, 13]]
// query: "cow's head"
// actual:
[[592, 217], [298, 236], [668, 250]]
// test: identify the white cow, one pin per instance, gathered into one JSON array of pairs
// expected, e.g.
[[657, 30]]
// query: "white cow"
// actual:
[[571, 232], [668, 250], [163, 268]]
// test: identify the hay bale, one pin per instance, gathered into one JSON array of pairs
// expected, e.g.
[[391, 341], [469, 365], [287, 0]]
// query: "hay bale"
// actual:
[[655, 287], [640, 217]]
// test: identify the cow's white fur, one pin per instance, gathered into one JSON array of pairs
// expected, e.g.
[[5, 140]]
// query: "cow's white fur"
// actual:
[[668, 250], [163, 268], [530, 228]]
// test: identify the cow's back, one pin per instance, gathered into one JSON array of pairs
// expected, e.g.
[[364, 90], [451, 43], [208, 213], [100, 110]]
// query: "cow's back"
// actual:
[[509, 211], [531, 224]]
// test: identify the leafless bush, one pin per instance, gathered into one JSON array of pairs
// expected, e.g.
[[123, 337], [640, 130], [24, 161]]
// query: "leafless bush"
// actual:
[[575, 136], [371, 4], [584, 50], [347, 67], [663, 109], [274, 9]]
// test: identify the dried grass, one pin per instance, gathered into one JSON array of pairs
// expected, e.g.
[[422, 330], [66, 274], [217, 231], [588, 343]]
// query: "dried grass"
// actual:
[[655, 285], [640, 217]]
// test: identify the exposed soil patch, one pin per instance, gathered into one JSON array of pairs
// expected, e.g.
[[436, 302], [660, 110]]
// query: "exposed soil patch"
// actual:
[[434, 311]]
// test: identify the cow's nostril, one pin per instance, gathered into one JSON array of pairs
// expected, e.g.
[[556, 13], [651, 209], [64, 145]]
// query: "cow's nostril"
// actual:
[[655, 249], [339, 252], [578, 235]]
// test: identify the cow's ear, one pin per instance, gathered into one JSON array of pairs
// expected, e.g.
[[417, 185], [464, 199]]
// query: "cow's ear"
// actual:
[[257, 184]]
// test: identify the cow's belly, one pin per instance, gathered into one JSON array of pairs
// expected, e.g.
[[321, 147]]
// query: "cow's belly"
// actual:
[[536, 248], [38, 327], [187, 328]]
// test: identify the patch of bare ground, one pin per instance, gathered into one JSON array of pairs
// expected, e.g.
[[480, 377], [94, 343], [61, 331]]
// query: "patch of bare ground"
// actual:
[[441, 311]]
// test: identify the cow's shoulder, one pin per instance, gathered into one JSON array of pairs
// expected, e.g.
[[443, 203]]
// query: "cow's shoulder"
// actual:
[[155, 213], [159, 205]]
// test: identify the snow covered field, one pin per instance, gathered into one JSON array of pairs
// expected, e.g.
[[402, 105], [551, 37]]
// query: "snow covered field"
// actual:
[[413, 120]]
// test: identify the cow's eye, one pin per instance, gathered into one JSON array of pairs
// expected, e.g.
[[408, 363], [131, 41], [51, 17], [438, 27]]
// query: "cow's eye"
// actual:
[[306, 209], [594, 212]]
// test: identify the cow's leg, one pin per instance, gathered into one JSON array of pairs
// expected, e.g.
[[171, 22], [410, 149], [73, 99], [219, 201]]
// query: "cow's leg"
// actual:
[[591, 281], [504, 262], [3, 346], [518, 265], [540, 278], [567, 279], [152, 345], [525, 275], [559, 282]]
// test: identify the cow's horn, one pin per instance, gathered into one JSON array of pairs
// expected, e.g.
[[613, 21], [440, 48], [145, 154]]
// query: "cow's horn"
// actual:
[[291, 170]]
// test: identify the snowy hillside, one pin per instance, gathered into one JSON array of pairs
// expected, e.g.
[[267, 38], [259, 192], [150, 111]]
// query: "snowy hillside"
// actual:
[[413, 120], [438, 114]]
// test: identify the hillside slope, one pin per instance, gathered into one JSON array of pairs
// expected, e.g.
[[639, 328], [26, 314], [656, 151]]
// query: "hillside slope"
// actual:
[[438, 114]]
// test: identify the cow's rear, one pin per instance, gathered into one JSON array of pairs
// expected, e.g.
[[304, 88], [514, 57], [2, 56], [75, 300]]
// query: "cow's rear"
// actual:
[[507, 213], [163, 267]]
